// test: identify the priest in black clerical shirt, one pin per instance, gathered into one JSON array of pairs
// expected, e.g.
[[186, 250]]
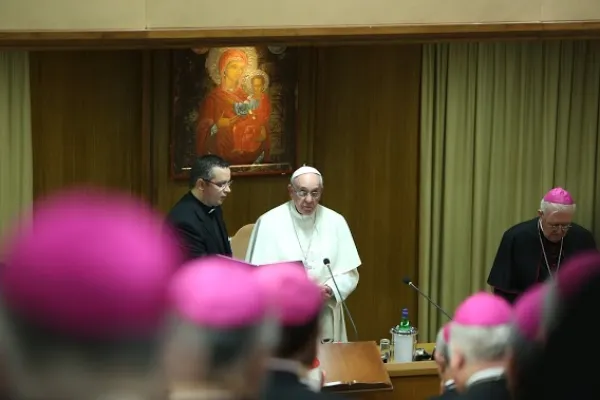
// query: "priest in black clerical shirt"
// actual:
[[197, 217], [534, 250]]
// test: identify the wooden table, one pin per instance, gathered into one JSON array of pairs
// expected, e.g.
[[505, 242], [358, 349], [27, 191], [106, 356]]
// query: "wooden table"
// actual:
[[353, 367], [411, 381], [417, 380]]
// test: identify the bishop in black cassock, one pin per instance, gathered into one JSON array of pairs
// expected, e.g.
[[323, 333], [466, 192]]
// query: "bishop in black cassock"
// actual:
[[222, 331], [298, 303], [82, 297], [532, 251], [479, 342]]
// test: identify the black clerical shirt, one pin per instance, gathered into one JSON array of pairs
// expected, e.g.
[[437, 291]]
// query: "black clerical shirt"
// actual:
[[215, 225], [201, 229]]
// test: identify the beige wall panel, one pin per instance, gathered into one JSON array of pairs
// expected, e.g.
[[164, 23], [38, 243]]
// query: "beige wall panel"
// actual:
[[574, 10], [107, 15], [278, 13], [72, 15]]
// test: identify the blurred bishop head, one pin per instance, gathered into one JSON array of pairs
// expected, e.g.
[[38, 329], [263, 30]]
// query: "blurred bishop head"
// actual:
[[84, 283], [577, 311], [479, 335], [569, 281], [528, 333], [225, 330], [297, 303], [528, 314], [442, 354]]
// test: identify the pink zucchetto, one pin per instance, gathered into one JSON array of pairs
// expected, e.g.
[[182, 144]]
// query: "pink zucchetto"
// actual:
[[559, 196], [90, 264], [483, 310], [219, 293], [296, 299], [528, 312]]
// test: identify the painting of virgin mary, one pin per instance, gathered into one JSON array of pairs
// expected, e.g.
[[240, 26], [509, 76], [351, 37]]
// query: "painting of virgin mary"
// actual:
[[238, 103]]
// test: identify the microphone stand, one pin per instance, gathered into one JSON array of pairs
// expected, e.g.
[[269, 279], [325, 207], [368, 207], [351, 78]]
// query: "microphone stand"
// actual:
[[429, 300], [345, 307]]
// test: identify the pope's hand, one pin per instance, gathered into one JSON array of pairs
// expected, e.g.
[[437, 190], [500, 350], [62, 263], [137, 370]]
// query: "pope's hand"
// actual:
[[326, 291]]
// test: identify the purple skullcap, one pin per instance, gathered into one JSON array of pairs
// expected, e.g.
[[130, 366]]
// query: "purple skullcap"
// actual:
[[483, 310], [528, 312], [576, 272], [90, 264], [296, 299], [218, 292], [559, 196]]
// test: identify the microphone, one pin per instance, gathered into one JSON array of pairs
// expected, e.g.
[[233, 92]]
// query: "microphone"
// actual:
[[337, 289], [407, 281]]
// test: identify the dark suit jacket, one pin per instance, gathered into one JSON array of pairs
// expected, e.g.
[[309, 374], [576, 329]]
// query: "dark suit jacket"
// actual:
[[196, 228], [488, 390], [282, 385]]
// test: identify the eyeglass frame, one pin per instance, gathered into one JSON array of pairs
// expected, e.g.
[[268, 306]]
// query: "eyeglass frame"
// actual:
[[315, 194], [220, 186], [559, 227]]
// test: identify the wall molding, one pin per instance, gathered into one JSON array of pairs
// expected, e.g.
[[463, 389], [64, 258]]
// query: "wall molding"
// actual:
[[181, 38]]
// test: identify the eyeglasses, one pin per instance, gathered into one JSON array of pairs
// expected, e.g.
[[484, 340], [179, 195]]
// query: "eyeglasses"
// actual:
[[220, 185], [315, 194], [559, 227]]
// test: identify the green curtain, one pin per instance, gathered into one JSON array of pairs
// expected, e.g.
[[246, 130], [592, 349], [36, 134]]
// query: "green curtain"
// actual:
[[16, 177], [501, 123]]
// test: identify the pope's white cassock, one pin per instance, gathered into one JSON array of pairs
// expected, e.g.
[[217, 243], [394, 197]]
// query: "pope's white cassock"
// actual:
[[281, 235]]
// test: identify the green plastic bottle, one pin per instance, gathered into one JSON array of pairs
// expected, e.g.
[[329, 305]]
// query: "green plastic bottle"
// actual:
[[404, 324]]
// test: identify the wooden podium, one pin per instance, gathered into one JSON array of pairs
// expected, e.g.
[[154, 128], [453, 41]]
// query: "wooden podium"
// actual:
[[353, 367]]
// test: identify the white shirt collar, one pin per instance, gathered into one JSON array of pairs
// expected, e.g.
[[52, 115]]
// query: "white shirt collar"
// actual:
[[280, 364], [449, 383], [486, 374]]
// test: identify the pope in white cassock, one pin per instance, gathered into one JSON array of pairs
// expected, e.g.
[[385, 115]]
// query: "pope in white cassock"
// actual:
[[303, 230]]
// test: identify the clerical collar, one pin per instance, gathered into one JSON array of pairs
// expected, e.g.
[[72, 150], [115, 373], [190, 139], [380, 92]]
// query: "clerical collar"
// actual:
[[488, 374], [207, 209]]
